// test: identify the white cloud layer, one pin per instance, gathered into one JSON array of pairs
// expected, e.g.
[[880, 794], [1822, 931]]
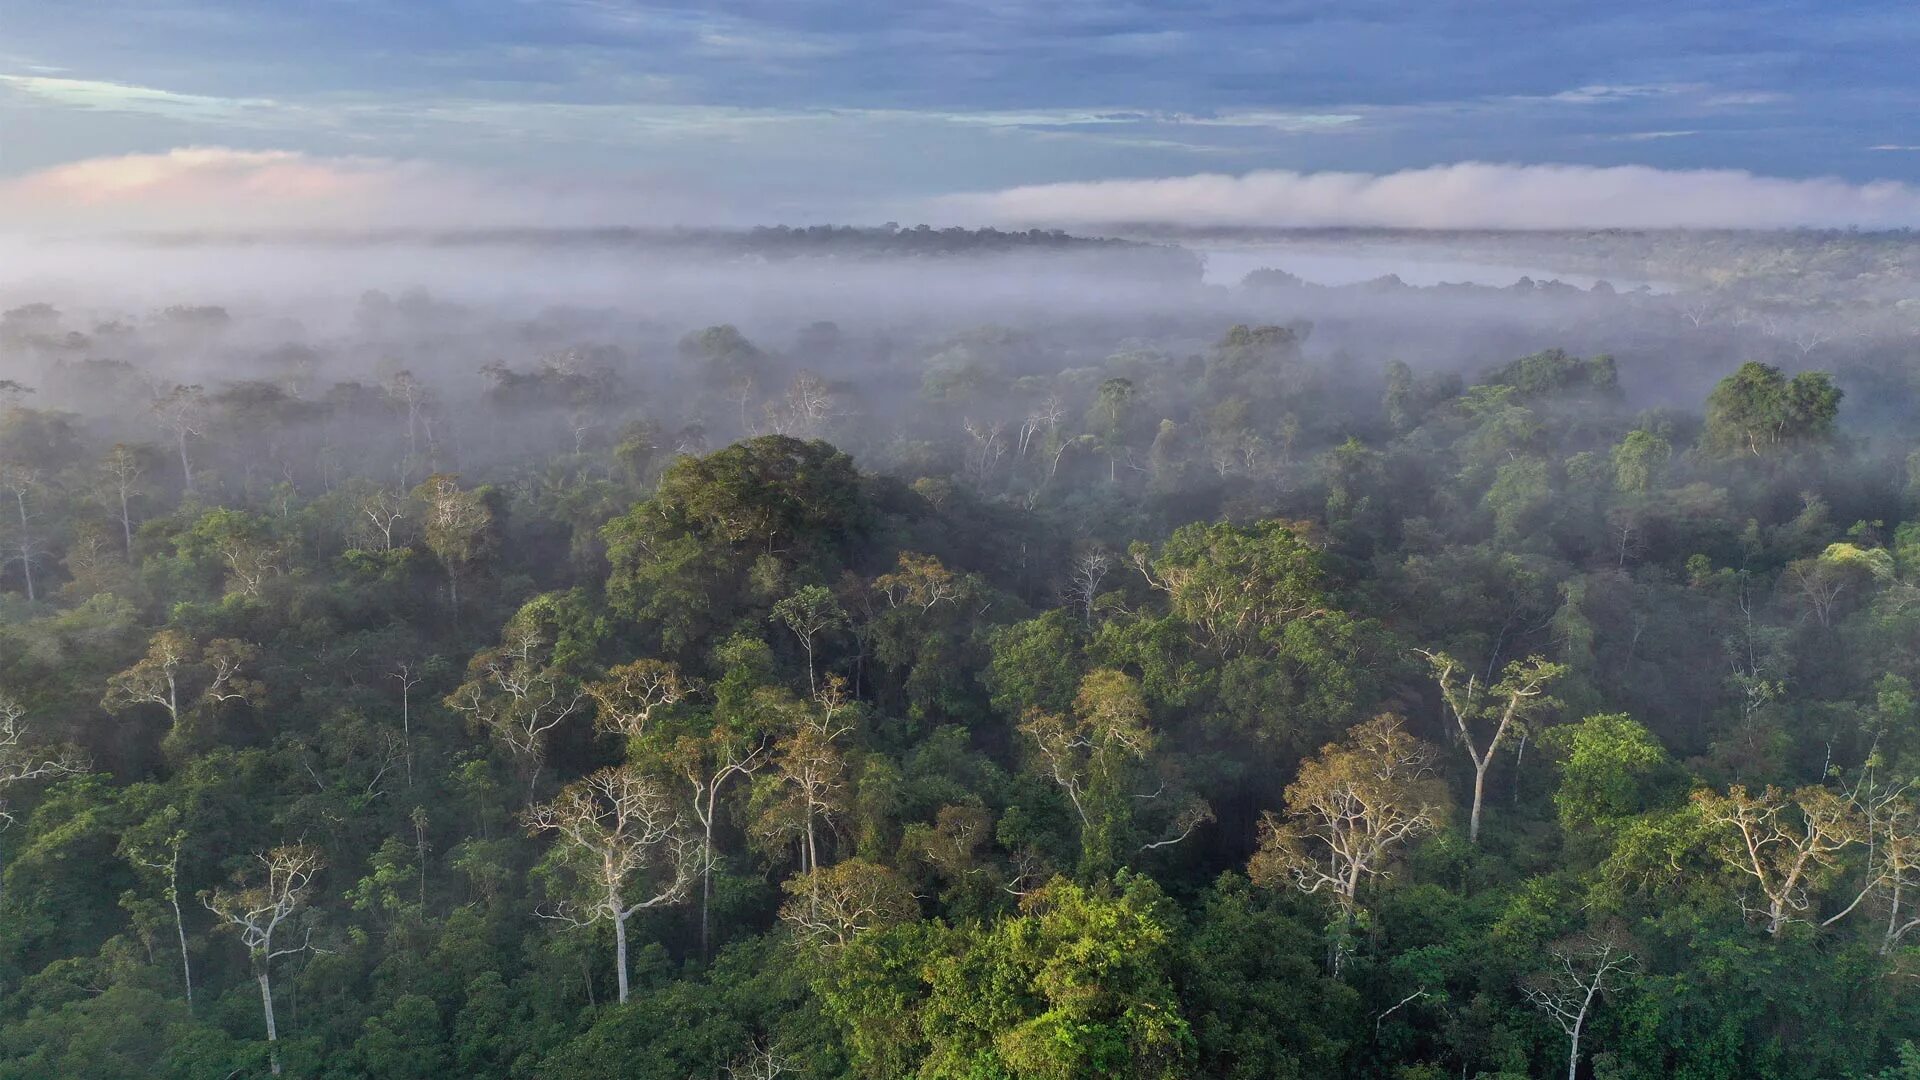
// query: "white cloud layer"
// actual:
[[1470, 195], [220, 188]]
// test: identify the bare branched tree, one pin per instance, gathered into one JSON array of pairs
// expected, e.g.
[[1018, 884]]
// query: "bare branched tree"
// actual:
[[185, 678], [622, 849], [1789, 844], [22, 761], [1084, 578], [632, 694], [408, 675], [515, 695], [384, 509], [1583, 971], [259, 911], [987, 449], [1045, 417], [760, 1061]]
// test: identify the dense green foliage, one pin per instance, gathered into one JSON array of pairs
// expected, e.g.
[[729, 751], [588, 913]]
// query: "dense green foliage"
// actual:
[[1124, 716]]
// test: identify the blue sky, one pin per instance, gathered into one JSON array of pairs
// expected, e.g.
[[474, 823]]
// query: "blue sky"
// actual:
[[812, 103]]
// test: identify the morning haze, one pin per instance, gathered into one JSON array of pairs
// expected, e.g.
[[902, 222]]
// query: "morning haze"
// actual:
[[969, 542]]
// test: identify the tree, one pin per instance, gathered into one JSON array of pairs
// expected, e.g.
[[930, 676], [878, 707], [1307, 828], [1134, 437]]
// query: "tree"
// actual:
[[406, 390], [242, 543], [1088, 570], [1789, 844], [1584, 970], [1078, 986], [182, 411], [1612, 768], [1508, 705], [1639, 461], [408, 675], [770, 494], [405, 1043], [631, 695], [384, 509], [122, 473], [1889, 819], [258, 911], [22, 761], [809, 782], [1109, 421], [681, 560], [1400, 401], [22, 485], [620, 851], [1758, 410], [707, 763], [921, 582], [1238, 587], [1086, 753], [155, 846], [1349, 812], [459, 528], [828, 907], [185, 678], [809, 613], [760, 1061], [516, 695]]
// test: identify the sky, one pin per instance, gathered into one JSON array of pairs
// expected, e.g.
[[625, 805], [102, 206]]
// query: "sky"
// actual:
[[1198, 111]]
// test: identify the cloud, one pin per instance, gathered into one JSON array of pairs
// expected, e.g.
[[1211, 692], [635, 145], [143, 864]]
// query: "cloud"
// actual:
[[1601, 94], [1747, 97], [96, 96], [1470, 195], [222, 188], [1290, 122]]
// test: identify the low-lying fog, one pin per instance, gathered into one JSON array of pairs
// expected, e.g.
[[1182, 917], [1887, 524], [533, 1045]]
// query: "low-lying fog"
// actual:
[[443, 305], [1228, 262]]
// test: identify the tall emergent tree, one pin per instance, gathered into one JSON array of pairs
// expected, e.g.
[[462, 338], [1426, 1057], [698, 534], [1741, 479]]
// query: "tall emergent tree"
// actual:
[[259, 911], [1582, 972], [1350, 811], [621, 851], [1758, 410], [1506, 707]]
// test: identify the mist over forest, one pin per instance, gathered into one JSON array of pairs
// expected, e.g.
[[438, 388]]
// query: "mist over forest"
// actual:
[[877, 652]]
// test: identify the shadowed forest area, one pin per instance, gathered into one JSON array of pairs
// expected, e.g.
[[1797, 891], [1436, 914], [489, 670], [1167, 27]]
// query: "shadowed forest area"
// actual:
[[979, 656]]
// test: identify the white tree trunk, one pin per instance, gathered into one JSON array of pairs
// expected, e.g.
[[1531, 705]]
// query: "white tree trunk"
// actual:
[[273, 1032], [180, 927], [26, 543], [706, 875], [1479, 792], [1579, 1024], [620, 953]]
